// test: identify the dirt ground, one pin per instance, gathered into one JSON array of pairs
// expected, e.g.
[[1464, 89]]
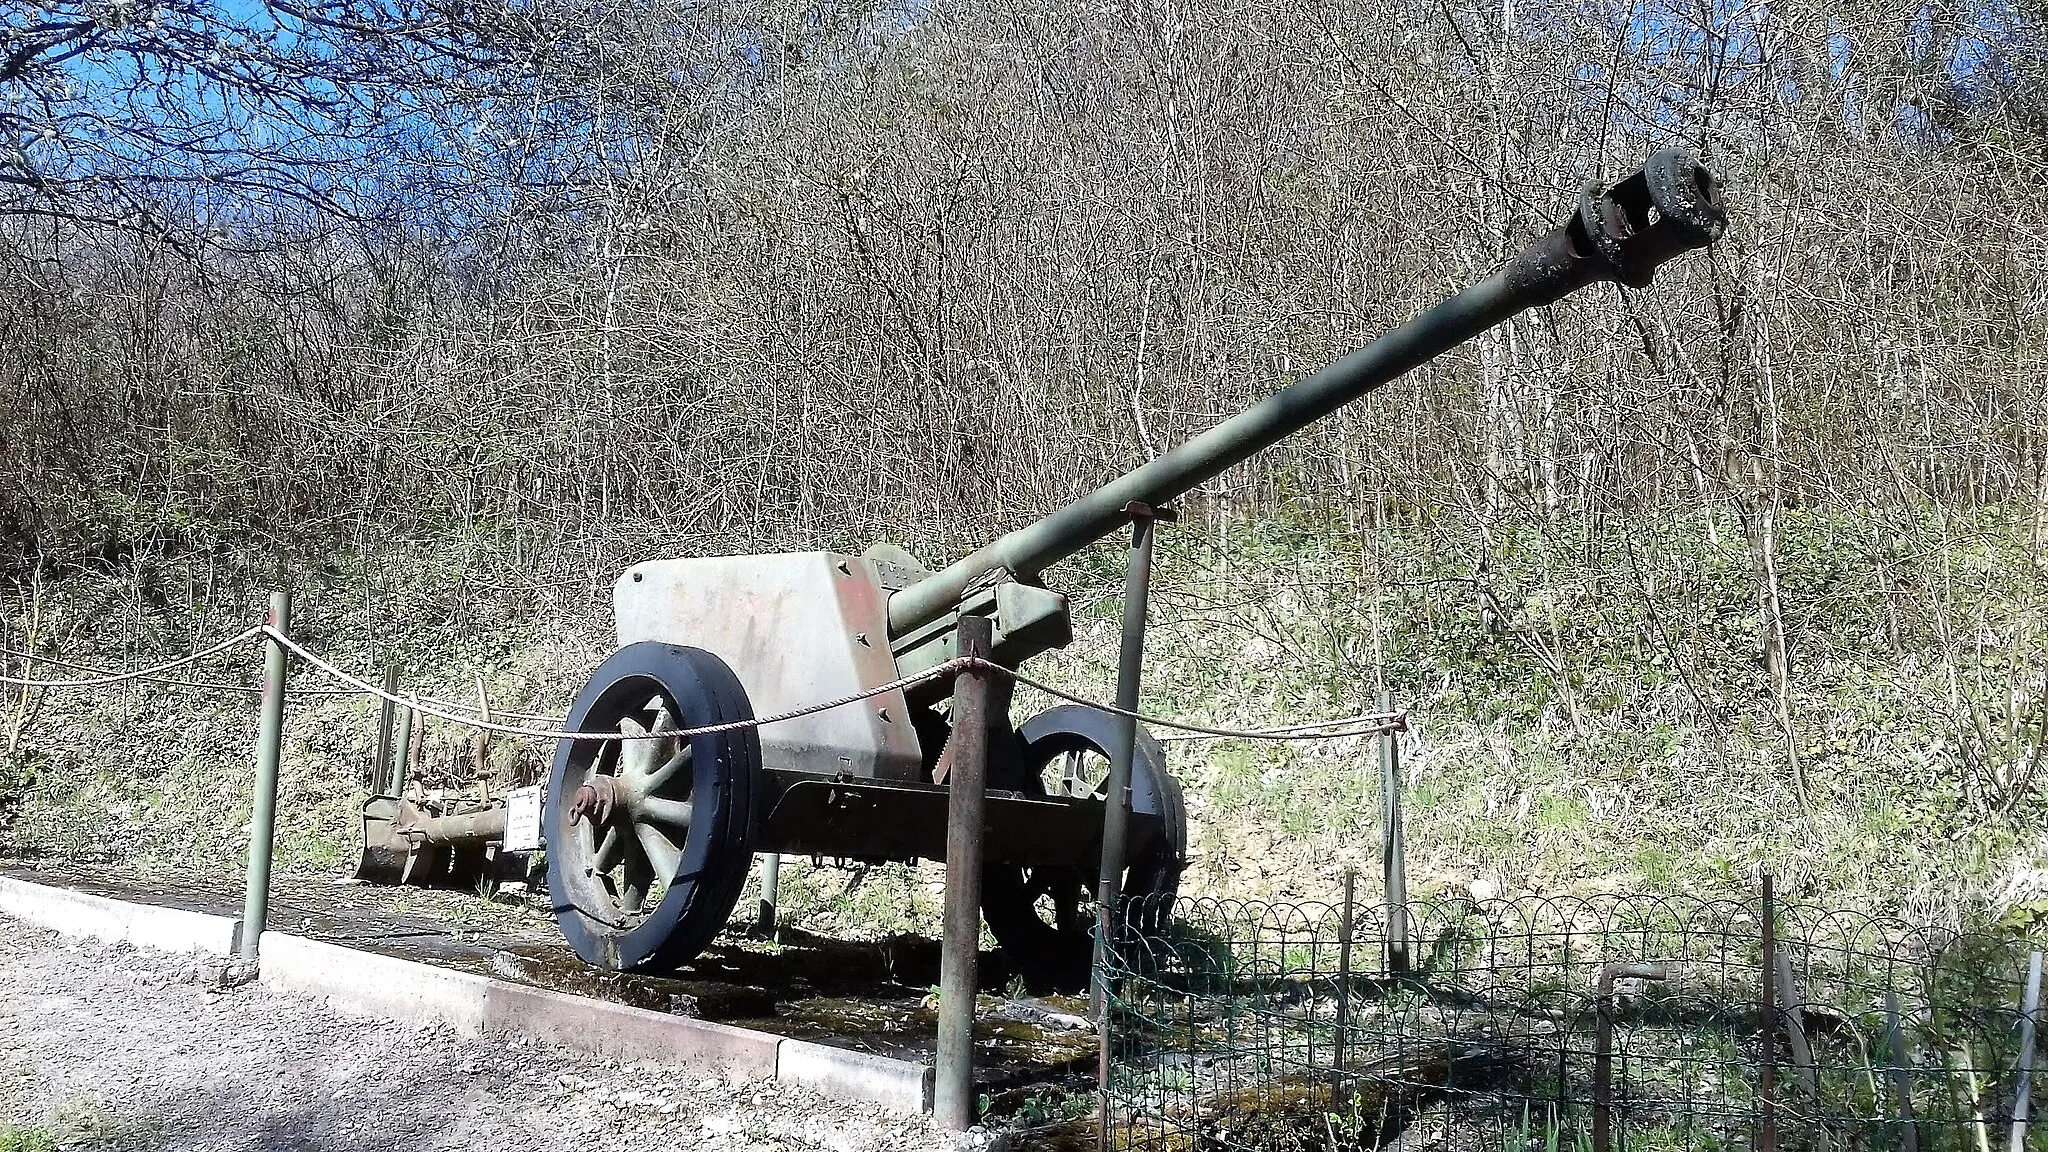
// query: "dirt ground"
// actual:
[[107, 1047]]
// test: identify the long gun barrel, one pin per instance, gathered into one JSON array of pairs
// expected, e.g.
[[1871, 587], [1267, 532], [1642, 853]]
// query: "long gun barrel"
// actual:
[[1671, 206]]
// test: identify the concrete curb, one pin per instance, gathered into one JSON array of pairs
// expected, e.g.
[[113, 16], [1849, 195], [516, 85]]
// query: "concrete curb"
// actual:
[[629, 1034], [74, 913], [367, 984], [837, 1072], [386, 987]]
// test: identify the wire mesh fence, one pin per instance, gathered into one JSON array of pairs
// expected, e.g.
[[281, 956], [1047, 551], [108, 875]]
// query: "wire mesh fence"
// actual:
[[1567, 1025]]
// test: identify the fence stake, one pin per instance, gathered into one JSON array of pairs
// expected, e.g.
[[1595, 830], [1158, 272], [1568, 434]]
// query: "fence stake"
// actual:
[[380, 769], [1603, 1064], [1102, 1053], [1344, 921], [1603, 1046], [2022, 1096], [1394, 852], [1969, 1054], [263, 813], [1902, 1081], [1768, 1104], [953, 1097]]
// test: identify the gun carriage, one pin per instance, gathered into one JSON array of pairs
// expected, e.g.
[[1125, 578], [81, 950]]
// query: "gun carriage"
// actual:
[[650, 839]]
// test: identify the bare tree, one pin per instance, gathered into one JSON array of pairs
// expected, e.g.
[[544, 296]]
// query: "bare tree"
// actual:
[[184, 117]]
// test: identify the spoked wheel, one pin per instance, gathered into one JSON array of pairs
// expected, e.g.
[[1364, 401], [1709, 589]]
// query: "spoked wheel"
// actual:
[[649, 839], [1043, 916]]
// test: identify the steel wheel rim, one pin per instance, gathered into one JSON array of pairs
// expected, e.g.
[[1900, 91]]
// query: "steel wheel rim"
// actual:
[[633, 815], [1075, 761]]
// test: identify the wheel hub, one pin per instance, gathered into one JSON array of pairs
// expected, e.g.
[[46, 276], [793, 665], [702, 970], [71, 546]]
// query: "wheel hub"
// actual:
[[594, 801]]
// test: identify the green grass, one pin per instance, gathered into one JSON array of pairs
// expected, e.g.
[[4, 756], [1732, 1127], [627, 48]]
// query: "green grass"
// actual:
[[79, 1126], [861, 903], [1582, 744], [14, 1138]]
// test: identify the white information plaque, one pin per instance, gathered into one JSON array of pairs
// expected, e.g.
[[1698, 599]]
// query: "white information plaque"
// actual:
[[522, 820]]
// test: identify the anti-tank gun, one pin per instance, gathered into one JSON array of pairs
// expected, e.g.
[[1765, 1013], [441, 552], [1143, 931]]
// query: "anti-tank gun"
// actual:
[[650, 839]]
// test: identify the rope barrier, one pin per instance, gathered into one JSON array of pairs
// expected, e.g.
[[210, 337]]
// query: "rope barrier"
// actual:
[[204, 685], [1368, 724], [495, 710], [207, 685], [1383, 721], [138, 673]]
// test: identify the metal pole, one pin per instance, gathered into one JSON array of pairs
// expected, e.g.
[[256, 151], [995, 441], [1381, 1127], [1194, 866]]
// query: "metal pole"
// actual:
[[263, 816], [771, 884], [1393, 853], [1603, 1064], [1902, 1080], [380, 769], [1768, 1104], [1344, 922], [1116, 813], [2029, 1004], [1102, 1038], [1603, 1047], [1129, 667], [953, 1094]]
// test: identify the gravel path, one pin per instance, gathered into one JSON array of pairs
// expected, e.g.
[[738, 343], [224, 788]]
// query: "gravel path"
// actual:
[[106, 1047]]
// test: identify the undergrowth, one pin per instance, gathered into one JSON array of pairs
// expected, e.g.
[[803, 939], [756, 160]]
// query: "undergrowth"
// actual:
[[1589, 709]]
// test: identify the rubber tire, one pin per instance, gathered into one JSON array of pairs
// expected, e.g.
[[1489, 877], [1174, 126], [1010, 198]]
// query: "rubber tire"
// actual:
[[1048, 959], [699, 690]]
